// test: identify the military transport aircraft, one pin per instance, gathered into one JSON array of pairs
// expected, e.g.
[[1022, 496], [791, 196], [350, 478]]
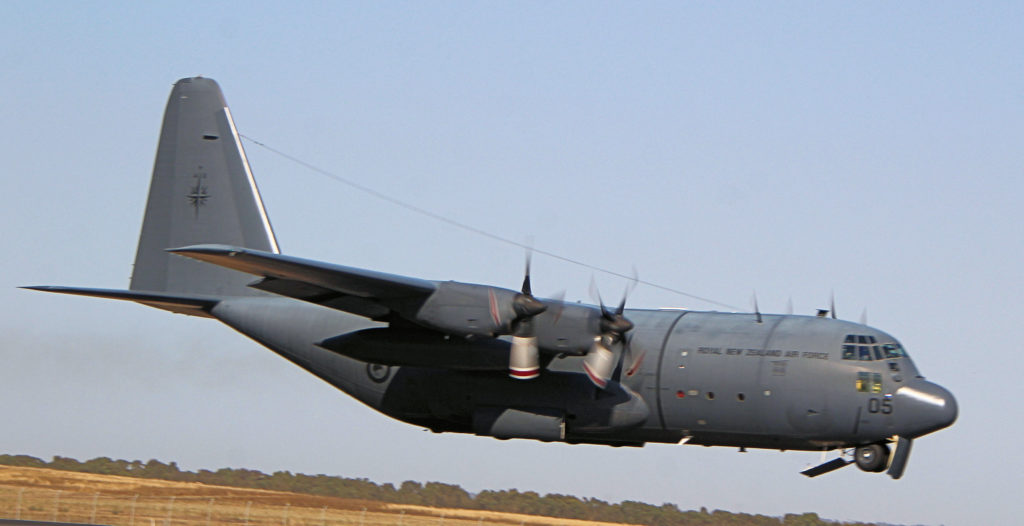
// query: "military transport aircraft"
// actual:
[[466, 358]]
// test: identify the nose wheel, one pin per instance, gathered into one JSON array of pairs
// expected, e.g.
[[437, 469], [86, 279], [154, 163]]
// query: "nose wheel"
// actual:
[[872, 457]]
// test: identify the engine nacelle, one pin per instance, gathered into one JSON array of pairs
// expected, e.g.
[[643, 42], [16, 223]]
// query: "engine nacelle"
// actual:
[[465, 309], [524, 358]]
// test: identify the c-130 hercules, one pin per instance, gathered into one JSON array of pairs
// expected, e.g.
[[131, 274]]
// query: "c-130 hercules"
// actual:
[[466, 358]]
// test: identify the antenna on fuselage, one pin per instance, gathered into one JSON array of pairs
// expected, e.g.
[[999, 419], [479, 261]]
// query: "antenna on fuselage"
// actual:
[[757, 311]]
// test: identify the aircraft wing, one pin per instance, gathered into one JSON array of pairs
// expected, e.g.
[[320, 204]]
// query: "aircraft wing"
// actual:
[[359, 291]]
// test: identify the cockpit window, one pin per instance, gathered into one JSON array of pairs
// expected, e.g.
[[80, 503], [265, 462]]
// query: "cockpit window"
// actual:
[[869, 350], [893, 350]]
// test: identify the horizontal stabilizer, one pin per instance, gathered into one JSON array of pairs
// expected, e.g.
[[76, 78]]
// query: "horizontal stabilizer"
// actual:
[[190, 305], [827, 467], [286, 275]]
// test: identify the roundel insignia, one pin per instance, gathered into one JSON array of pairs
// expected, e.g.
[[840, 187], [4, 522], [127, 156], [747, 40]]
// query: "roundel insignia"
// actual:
[[377, 372]]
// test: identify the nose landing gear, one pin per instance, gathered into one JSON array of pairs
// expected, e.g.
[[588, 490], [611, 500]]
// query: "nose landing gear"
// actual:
[[872, 458]]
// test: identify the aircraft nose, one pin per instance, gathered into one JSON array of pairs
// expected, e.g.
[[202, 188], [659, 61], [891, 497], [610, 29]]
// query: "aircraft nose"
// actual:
[[925, 407]]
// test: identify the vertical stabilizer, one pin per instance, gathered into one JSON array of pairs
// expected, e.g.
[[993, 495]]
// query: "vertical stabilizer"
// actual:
[[202, 191]]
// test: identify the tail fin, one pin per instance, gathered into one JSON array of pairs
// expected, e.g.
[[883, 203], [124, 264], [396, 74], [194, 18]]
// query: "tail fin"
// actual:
[[202, 191]]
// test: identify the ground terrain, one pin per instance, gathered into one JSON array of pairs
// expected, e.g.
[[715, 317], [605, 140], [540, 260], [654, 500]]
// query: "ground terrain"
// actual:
[[53, 495]]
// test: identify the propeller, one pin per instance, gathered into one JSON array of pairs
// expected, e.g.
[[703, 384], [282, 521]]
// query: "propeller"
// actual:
[[599, 362], [524, 357]]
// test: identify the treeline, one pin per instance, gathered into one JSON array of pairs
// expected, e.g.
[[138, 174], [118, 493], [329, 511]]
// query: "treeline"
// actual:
[[430, 494]]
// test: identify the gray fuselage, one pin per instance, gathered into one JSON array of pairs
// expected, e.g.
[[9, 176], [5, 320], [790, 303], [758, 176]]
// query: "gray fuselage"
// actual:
[[707, 377]]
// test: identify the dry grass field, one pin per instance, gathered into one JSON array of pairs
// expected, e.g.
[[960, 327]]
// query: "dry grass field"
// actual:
[[51, 495]]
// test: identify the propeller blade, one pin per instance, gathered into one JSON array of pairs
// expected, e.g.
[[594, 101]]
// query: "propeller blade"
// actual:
[[595, 295], [527, 290], [629, 290], [525, 305], [634, 361], [559, 305]]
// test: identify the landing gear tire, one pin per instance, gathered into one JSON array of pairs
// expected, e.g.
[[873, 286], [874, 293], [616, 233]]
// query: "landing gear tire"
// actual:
[[872, 457]]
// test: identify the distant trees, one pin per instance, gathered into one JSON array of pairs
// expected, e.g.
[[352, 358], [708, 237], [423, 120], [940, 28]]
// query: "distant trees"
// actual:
[[435, 494]]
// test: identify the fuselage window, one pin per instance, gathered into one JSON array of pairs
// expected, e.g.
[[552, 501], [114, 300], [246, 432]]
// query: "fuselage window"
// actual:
[[862, 339], [849, 351], [878, 353], [850, 338], [876, 382], [865, 353]]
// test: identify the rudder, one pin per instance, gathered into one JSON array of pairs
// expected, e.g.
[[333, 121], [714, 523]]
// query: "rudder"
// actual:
[[202, 191]]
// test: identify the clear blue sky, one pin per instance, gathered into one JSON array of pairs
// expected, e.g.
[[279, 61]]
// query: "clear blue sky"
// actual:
[[870, 148]]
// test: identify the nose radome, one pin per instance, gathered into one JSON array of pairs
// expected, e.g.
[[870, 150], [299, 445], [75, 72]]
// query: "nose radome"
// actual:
[[925, 407]]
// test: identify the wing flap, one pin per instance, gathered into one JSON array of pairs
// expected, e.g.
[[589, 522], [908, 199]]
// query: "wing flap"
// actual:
[[323, 296]]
